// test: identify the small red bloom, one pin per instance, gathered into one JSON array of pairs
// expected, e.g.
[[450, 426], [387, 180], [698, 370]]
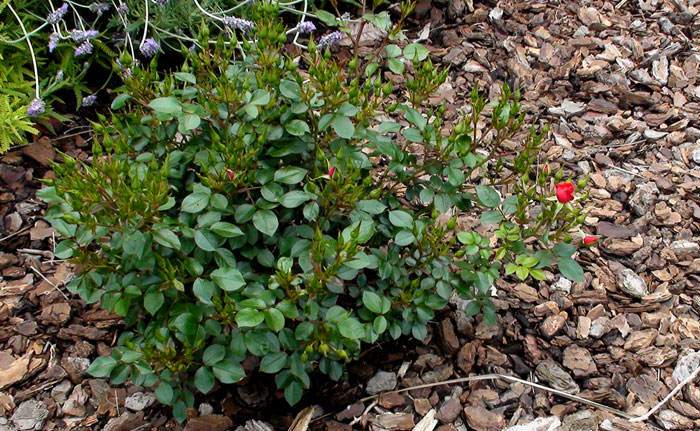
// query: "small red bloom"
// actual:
[[230, 174], [565, 192], [590, 239], [331, 171]]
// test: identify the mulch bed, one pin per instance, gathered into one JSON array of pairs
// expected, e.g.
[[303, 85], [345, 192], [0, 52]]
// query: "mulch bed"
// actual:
[[618, 83]]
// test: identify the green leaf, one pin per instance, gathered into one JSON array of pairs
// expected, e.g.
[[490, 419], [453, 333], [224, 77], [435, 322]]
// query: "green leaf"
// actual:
[[472, 309], [164, 393], [205, 240], [372, 301], [326, 17], [396, 65], [65, 249], [134, 243], [294, 198], [153, 301], [564, 250], [186, 323], [203, 290], [401, 219], [185, 77], [371, 206], [120, 101], [260, 97], [351, 328], [297, 128], [274, 319], [293, 392], [488, 196], [204, 380], [415, 51], [343, 126], [273, 362], [265, 221], [228, 279], [189, 122], [522, 272], [228, 371], [249, 318], [392, 50], [195, 202], [412, 134], [166, 105], [404, 238], [226, 230], [290, 175], [491, 217], [102, 366], [510, 204], [167, 238], [570, 269], [290, 90], [213, 354]]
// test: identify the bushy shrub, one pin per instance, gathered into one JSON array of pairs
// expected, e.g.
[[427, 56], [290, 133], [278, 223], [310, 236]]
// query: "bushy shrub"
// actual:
[[258, 208]]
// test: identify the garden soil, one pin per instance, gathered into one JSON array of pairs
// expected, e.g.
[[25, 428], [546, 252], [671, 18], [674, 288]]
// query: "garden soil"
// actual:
[[619, 85]]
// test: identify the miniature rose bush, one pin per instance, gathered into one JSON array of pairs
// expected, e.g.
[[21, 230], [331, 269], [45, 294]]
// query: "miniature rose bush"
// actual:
[[247, 208]]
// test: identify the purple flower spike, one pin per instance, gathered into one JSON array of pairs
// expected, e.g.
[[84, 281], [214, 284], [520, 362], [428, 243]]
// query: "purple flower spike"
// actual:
[[84, 48], [149, 47], [83, 35], [88, 100], [54, 38], [238, 23], [36, 107], [123, 8], [306, 27], [330, 39], [58, 14], [99, 8]]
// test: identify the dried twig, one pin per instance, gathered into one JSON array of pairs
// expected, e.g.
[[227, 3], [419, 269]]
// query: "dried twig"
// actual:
[[48, 281], [562, 394]]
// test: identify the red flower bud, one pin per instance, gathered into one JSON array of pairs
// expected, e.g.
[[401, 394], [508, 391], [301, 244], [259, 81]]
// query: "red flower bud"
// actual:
[[331, 171], [590, 239], [565, 192], [230, 174]]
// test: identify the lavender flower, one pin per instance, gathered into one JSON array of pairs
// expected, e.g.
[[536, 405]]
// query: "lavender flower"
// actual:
[[58, 14], [88, 100], [83, 35], [238, 23], [123, 8], [36, 107], [99, 8], [54, 38], [149, 47], [330, 39], [83, 49], [306, 27]]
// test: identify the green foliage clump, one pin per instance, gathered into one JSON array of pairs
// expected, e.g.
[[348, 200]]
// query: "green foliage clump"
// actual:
[[249, 208], [13, 122]]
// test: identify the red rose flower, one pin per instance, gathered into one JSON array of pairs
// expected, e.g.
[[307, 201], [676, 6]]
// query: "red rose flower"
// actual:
[[590, 239], [230, 174], [331, 171], [565, 192]]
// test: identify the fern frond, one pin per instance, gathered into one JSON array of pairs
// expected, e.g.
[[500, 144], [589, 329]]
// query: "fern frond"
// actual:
[[14, 123]]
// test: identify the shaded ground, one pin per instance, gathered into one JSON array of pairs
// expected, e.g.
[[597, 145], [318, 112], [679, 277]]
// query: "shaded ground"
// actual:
[[620, 88]]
